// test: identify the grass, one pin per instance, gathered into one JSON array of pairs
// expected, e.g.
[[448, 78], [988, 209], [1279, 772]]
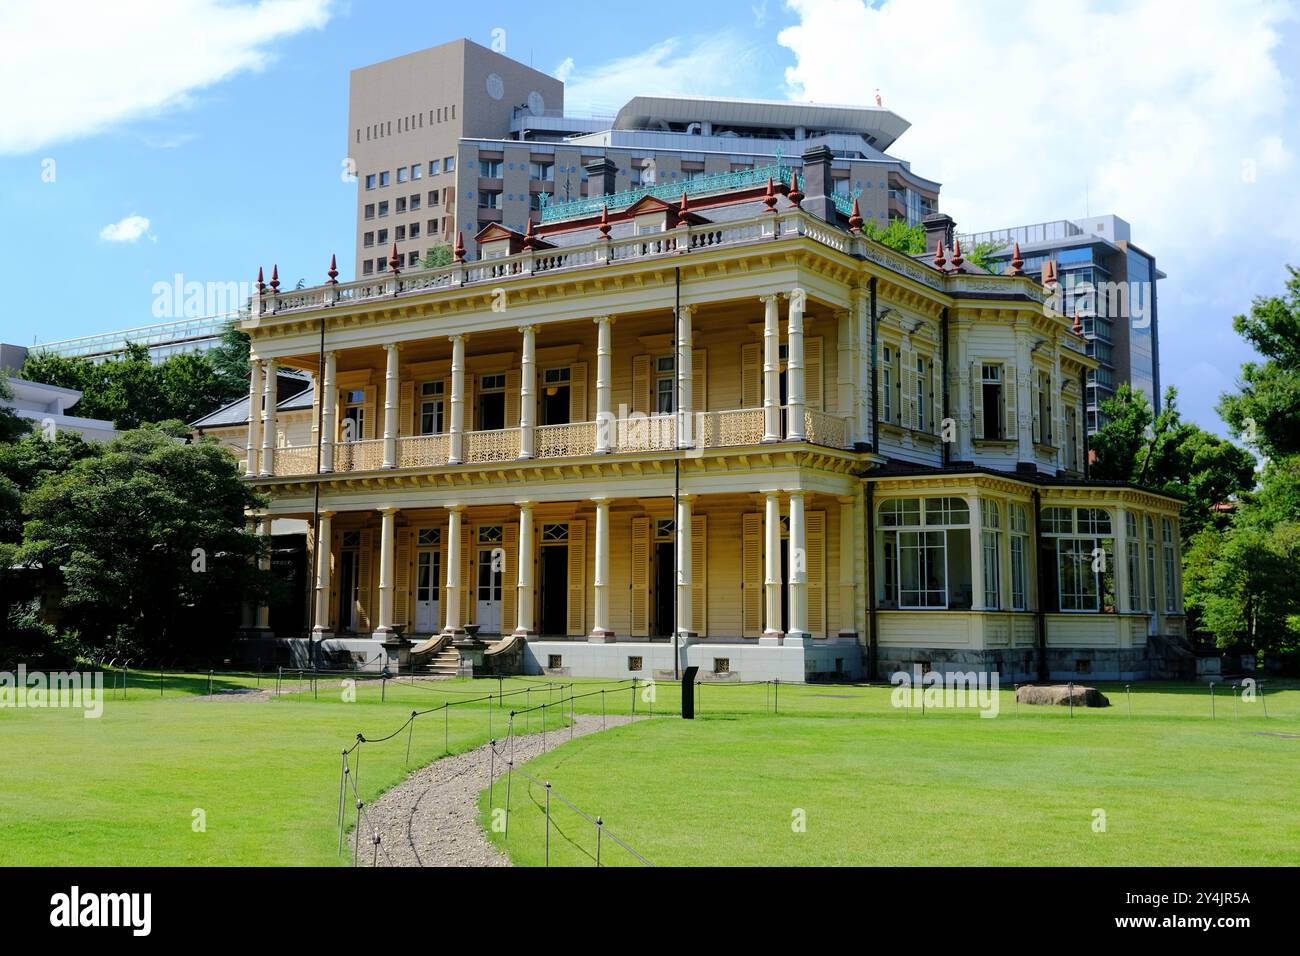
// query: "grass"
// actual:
[[877, 785]]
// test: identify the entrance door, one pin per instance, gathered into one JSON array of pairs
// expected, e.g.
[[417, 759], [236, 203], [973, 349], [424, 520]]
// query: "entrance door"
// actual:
[[664, 586], [428, 581], [492, 403], [555, 396], [554, 580], [348, 559], [487, 607]]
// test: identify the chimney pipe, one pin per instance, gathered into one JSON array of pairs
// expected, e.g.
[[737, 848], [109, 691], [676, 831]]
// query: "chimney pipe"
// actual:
[[817, 185], [600, 177], [939, 228]]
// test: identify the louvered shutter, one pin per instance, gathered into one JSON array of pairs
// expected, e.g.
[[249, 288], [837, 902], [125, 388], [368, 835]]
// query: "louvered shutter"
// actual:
[[577, 624], [751, 375], [1010, 427], [977, 399], [1036, 397], [751, 574], [368, 426], [641, 384], [471, 416], [640, 577], [700, 380], [815, 540], [699, 575], [402, 578], [509, 576], [578, 392], [513, 380], [907, 386], [364, 600], [813, 374], [315, 413], [406, 409], [468, 576]]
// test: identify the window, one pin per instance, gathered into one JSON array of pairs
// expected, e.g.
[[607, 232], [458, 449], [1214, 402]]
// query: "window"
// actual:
[[554, 661], [991, 396], [415, 202], [354, 414], [990, 518], [1043, 408], [923, 409], [1150, 528], [367, 268], [489, 199], [1171, 579], [399, 233], [368, 239], [412, 259], [1019, 557], [382, 237], [433, 197], [401, 174], [555, 533], [928, 565], [400, 205], [431, 227], [490, 168], [1134, 558], [449, 164], [416, 170], [383, 208], [1077, 543], [435, 167], [383, 178], [431, 408], [887, 383], [370, 180], [370, 210], [634, 663], [722, 665], [541, 170], [665, 385]]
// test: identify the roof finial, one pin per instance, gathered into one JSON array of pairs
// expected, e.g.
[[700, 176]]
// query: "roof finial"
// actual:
[[957, 260], [794, 195], [394, 260], [275, 280], [939, 260], [604, 221], [879, 101], [530, 241], [1049, 272], [1077, 328], [460, 248], [855, 218], [769, 197], [1016, 262], [261, 286], [333, 272]]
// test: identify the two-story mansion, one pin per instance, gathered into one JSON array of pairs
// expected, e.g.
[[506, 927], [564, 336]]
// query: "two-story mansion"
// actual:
[[720, 427]]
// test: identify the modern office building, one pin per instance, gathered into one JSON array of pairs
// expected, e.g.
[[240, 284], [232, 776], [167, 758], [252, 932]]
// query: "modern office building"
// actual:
[[163, 340], [451, 139], [1109, 283], [47, 408], [726, 430]]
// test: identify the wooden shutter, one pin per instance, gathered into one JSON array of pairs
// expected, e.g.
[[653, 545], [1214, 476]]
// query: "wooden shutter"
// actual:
[[699, 575], [1036, 398], [364, 580], [469, 575], [578, 392], [577, 577], [907, 385], [751, 375], [315, 412], [813, 376], [640, 577], [977, 399], [509, 576], [751, 596], [815, 541], [402, 562], [700, 380], [368, 426], [641, 384], [335, 548], [470, 417], [880, 383], [513, 380], [1010, 427], [406, 409]]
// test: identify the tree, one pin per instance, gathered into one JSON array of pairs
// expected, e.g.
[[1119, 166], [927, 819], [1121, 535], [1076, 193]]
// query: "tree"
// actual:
[[982, 255], [898, 235], [437, 256], [1265, 412], [1166, 454], [148, 540], [1239, 585], [229, 359], [12, 425]]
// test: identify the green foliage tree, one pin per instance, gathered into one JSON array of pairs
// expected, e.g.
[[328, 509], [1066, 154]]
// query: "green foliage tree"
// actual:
[[897, 235], [1265, 412], [437, 256], [229, 360], [982, 255], [12, 425], [119, 529], [1239, 585]]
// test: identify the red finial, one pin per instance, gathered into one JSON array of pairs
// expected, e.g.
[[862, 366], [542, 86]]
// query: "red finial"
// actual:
[[957, 260], [1077, 328], [1016, 262], [794, 195], [261, 286], [394, 260], [604, 222], [1049, 272], [460, 248], [855, 218], [530, 240], [275, 280], [334, 271], [939, 260], [879, 101], [769, 197]]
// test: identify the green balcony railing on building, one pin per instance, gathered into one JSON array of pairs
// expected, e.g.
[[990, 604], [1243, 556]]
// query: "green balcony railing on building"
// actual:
[[712, 183]]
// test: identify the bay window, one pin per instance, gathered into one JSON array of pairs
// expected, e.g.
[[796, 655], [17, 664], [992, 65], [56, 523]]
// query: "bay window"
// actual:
[[1134, 562], [1150, 528], [1019, 557], [1078, 546], [990, 518], [925, 552], [1171, 561]]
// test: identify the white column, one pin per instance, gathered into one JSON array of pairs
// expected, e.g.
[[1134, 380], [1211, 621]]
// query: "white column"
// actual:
[[683, 529], [976, 555], [324, 540], [268, 417], [524, 587], [847, 553], [264, 562], [600, 632], [794, 369], [1120, 557], [846, 373], [798, 572], [254, 415], [329, 404], [604, 377], [528, 393], [456, 439], [771, 368], [772, 632], [391, 400], [387, 549], [451, 593], [686, 407]]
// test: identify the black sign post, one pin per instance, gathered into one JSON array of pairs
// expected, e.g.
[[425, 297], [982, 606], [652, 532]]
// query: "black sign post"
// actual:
[[688, 692]]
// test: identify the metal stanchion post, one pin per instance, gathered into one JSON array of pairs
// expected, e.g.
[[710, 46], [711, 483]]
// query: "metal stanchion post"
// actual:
[[548, 823]]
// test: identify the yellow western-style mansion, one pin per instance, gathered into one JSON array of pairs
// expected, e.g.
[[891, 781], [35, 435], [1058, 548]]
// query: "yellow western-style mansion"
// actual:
[[723, 428]]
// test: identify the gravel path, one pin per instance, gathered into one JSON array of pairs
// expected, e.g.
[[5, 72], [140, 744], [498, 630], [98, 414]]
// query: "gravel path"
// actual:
[[431, 818]]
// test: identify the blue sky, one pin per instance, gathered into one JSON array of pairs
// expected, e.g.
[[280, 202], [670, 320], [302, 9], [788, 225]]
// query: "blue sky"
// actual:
[[224, 125]]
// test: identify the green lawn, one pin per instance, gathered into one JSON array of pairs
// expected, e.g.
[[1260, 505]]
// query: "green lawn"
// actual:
[[878, 785]]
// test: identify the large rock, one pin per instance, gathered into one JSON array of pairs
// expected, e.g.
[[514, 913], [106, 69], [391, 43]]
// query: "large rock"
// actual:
[[1060, 694]]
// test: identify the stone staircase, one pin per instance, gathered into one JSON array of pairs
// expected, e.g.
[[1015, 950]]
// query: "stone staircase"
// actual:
[[442, 664]]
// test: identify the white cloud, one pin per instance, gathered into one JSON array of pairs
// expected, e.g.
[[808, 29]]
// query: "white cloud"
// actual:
[[1176, 118], [129, 229], [719, 65], [83, 69], [564, 70]]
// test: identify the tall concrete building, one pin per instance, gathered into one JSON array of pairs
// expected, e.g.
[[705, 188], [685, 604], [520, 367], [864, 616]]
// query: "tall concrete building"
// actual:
[[451, 139], [1109, 283]]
